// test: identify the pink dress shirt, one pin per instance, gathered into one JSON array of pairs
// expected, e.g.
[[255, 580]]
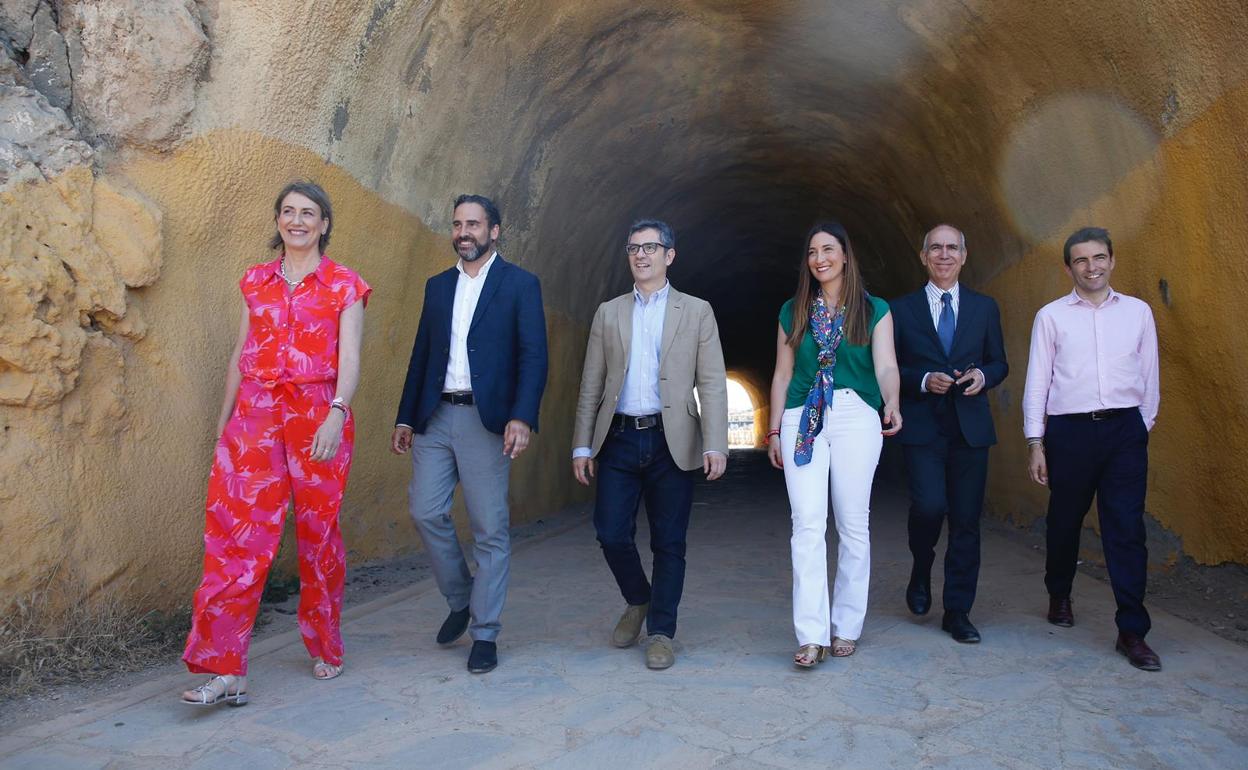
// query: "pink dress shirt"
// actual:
[[1086, 358]]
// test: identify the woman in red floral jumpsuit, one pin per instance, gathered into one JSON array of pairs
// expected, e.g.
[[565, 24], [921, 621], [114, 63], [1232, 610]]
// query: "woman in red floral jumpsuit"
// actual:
[[286, 431]]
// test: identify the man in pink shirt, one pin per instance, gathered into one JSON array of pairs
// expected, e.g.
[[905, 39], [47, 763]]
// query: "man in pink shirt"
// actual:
[[1090, 400]]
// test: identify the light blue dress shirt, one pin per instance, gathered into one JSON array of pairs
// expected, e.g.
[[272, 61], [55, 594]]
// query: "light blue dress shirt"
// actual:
[[640, 394]]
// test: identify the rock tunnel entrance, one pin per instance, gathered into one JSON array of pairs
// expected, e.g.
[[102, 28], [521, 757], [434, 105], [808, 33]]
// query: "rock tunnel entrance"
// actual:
[[148, 174]]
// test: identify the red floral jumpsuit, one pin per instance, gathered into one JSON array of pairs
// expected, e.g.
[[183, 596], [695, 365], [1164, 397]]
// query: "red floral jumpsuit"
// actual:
[[289, 364]]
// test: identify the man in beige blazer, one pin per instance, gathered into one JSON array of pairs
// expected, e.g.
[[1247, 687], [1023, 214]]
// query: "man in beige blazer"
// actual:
[[639, 430]]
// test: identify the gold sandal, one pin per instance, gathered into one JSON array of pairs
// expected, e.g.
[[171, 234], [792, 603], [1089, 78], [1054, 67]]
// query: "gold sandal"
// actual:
[[843, 648], [810, 654]]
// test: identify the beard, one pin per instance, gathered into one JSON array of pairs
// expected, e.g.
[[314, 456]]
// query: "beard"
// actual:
[[479, 250]]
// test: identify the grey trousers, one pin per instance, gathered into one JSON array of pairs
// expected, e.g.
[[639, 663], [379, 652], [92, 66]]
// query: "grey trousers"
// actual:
[[456, 447]]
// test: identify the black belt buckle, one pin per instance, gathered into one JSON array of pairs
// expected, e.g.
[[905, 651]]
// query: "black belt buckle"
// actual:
[[645, 422], [458, 398]]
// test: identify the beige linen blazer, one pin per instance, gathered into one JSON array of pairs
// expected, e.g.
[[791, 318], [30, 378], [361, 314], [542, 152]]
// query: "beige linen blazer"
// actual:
[[689, 356]]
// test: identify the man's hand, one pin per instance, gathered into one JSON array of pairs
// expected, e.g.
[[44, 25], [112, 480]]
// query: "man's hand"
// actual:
[[515, 438], [401, 439], [714, 464], [939, 383], [583, 469], [1037, 464], [974, 376]]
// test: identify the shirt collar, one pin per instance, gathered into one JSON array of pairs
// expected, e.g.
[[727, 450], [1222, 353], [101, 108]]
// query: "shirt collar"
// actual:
[[484, 268], [935, 291], [323, 272], [658, 296], [1074, 299]]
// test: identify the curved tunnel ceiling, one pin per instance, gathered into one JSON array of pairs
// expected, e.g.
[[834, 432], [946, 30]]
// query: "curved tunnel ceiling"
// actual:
[[743, 123]]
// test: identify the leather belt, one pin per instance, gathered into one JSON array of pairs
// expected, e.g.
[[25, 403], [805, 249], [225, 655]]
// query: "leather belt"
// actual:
[[462, 398], [1100, 414], [644, 422]]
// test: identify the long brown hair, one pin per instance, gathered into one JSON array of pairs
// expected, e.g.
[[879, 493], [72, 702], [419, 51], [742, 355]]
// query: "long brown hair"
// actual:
[[858, 311]]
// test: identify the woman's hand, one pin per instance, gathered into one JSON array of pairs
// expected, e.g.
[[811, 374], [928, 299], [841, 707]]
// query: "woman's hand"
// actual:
[[773, 452], [892, 418], [328, 437]]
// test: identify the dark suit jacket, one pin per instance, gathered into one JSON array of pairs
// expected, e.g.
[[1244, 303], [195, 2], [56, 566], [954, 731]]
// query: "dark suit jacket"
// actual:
[[506, 349], [977, 342]]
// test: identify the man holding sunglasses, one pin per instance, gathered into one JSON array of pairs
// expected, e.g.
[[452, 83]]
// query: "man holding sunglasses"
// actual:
[[639, 431]]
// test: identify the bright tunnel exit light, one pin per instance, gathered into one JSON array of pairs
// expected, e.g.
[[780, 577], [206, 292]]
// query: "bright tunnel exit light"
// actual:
[[740, 416]]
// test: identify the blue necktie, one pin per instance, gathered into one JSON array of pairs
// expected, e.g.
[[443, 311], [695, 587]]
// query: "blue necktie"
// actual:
[[944, 327]]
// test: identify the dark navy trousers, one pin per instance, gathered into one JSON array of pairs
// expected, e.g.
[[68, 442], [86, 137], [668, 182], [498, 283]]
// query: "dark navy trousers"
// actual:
[[947, 478], [1106, 459], [634, 465]]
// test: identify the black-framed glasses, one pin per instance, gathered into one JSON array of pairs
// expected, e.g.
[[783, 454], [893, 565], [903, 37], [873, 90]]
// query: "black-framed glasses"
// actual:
[[647, 248]]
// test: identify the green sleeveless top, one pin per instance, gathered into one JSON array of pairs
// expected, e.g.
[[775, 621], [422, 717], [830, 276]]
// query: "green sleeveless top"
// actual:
[[854, 367]]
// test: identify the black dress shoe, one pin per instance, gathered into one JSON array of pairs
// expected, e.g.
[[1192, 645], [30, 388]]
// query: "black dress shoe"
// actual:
[[919, 596], [1060, 611], [454, 626], [484, 657], [1138, 653], [958, 624]]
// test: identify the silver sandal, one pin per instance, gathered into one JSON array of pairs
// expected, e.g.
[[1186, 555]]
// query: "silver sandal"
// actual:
[[209, 695]]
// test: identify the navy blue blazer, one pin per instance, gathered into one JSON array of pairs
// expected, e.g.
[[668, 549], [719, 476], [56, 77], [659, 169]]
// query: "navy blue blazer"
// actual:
[[977, 342], [506, 349]]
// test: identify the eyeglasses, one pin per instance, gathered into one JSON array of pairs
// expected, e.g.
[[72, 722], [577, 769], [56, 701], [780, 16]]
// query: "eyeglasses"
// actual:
[[647, 248]]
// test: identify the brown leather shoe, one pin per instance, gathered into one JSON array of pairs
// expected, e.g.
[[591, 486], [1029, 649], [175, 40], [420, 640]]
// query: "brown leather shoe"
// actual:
[[1060, 611], [1138, 653]]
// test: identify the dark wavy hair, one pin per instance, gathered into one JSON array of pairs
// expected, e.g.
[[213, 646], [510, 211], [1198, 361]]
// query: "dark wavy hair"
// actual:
[[315, 193], [858, 310]]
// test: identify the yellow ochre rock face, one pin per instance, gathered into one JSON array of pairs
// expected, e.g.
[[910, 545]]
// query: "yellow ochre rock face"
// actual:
[[132, 199]]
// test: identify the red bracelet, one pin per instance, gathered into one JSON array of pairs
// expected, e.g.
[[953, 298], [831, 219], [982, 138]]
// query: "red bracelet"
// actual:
[[771, 433]]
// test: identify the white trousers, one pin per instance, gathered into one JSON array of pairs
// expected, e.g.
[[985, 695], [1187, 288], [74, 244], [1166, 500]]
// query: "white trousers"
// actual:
[[846, 452]]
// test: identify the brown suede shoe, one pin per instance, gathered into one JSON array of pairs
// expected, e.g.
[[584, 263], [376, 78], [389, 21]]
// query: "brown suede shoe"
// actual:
[[1138, 653], [1060, 611], [629, 627], [659, 652]]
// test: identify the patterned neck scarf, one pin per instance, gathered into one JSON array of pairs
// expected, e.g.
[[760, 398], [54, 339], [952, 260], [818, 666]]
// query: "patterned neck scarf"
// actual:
[[828, 330]]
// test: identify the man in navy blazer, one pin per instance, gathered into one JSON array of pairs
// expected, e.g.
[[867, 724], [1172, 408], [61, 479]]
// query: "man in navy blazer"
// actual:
[[470, 402], [951, 352]]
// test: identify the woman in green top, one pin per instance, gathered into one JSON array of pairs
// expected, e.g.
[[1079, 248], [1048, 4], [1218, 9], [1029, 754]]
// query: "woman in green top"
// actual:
[[836, 374]]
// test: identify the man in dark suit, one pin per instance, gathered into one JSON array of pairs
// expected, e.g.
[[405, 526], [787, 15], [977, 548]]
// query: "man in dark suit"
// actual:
[[470, 402], [950, 351]]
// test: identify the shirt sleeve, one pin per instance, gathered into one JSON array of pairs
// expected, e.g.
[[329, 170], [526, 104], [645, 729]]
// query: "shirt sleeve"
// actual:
[[1149, 368], [356, 289], [1039, 376]]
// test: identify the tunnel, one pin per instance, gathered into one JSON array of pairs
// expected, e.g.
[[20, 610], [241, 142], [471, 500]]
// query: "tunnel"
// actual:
[[144, 141]]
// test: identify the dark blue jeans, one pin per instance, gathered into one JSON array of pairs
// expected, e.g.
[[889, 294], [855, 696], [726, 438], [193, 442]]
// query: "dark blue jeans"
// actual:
[[632, 465], [1107, 459]]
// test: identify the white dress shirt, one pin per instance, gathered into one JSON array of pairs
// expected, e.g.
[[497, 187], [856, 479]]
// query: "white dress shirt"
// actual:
[[935, 305], [467, 292]]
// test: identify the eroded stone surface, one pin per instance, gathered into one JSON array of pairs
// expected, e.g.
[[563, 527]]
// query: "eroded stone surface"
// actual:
[[37, 141], [136, 66]]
